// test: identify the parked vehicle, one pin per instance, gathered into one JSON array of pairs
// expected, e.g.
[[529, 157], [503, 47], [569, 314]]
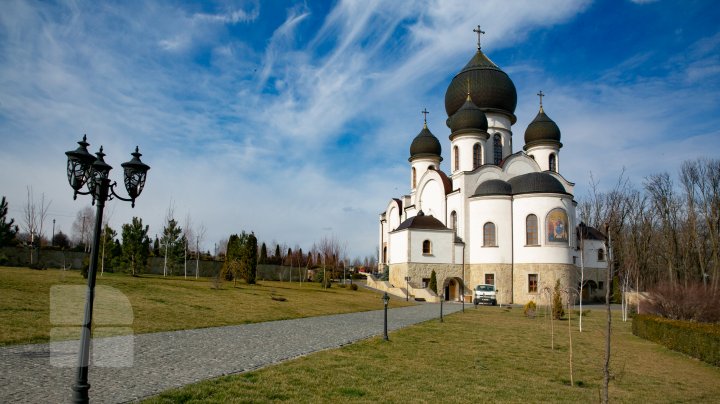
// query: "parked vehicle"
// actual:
[[485, 294]]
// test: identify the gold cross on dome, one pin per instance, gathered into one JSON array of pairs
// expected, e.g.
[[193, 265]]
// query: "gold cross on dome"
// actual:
[[425, 112], [479, 32], [540, 94]]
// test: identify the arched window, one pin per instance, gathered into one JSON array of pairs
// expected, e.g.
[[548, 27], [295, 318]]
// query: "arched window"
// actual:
[[414, 177], [477, 155], [431, 167], [601, 255], [489, 235], [384, 255], [456, 156], [426, 247], [497, 149], [531, 230], [453, 222], [551, 162]]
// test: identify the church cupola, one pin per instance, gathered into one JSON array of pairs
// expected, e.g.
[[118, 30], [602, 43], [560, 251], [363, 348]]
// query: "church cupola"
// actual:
[[491, 91], [469, 136], [542, 140], [425, 153]]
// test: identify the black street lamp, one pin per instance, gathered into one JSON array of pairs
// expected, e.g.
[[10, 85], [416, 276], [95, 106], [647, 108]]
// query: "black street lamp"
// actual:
[[407, 288], [386, 299], [442, 297], [84, 169]]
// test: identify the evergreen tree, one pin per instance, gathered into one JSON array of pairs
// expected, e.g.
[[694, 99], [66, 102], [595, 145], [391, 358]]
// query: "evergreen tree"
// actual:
[[252, 258], [135, 245], [8, 230], [156, 247], [276, 258], [557, 305], [263, 255], [107, 248], [172, 244], [433, 281], [61, 240]]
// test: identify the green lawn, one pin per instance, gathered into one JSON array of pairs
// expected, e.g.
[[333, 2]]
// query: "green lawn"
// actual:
[[173, 303], [489, 354]]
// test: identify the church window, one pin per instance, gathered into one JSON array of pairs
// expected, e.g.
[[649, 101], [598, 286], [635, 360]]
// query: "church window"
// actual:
[[426, 247], [531, 230], [456, 156], [489, 235], [453, 222], [601, 255], [477, 155], [600, 285], [431, 167], [414, 177], [497, 149], [532, 156], [556, 226], [551, 162], [489, 279], [532, 283]]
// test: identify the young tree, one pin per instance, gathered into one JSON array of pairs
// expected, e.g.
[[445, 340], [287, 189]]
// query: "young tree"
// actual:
[[34, 215], [433, 281], [557, 305], [107, 247], [135, 245], [8, 230], [172, 243], [82, 227], [199, 236]]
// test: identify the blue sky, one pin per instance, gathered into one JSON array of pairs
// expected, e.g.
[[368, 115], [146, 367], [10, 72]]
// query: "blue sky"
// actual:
[[294, 119]]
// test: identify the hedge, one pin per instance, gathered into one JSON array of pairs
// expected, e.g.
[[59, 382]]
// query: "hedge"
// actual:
[[699, 340]]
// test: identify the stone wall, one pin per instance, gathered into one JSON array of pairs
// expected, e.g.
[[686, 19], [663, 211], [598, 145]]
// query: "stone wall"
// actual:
[[547, 275]]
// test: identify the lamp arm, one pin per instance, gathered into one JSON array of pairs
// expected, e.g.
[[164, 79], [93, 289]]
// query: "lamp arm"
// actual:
[[113, 194]]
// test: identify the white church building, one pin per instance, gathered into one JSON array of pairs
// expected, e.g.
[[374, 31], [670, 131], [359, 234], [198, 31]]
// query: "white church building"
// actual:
[[495, 216]]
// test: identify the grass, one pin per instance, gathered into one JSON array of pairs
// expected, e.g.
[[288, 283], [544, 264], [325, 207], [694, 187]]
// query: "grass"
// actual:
[[164, 304], [491, 353]]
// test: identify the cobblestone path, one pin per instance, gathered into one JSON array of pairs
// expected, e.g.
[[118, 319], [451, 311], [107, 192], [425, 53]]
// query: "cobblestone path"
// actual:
[[29, 373]]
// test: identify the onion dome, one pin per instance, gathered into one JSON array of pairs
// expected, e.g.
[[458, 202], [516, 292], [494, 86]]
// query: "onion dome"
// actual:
[[542, 130], [532, 183], [420, 221], [468, 118], [493, 187], [425, 144], [490, 88]]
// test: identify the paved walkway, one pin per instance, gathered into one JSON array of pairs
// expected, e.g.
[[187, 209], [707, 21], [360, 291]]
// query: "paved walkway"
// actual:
[[29, 373]]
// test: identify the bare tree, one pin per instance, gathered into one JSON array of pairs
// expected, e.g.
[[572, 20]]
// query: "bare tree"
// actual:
[[187, 237], [199, 236], [34, 215], [82, 227]]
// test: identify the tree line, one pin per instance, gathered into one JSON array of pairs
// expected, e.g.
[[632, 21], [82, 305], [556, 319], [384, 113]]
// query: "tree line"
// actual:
[[665, 232]]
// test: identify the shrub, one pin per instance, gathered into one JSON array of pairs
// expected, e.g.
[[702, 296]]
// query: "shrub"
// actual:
[[529, 309], [353, 286], [433, 281], [557, 305], [694, 302], [698, 340]]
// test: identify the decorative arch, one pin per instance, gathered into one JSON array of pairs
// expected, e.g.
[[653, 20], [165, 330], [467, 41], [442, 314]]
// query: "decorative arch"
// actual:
[[531, 230], [497, 149], [489, 236], [556, 226], [477, 155]]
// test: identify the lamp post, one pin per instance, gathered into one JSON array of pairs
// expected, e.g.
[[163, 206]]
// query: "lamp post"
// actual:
[[52, 240], [84, 169], [442, 297], [386, 299]]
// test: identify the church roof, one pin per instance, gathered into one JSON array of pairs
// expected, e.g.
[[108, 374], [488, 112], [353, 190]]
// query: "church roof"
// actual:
[[425, 144], [536, 183], [468, 118], [590, 233], [541, 130], [420, 221], [493, 187], [490, 88]]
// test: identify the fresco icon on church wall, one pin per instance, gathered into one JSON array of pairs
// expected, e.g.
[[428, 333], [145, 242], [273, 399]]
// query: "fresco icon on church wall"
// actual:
[[556, 224]]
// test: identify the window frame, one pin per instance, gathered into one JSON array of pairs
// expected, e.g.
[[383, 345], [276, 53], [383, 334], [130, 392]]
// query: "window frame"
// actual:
[[497, 149], [528, 233], [533, 283], [485, 235], [427, 247], [456, 157], [477, 155]]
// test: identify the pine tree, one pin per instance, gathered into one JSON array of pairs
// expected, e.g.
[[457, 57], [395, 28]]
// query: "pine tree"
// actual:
[[8, 230], [135, 245], [433, 281], [263, 255]]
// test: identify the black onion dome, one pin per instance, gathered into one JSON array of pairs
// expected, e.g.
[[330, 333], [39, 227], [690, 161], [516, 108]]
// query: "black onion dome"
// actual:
[[536, 183], [425, 144], [490, 88], [468, 117], [542, 130], [493, 187]]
